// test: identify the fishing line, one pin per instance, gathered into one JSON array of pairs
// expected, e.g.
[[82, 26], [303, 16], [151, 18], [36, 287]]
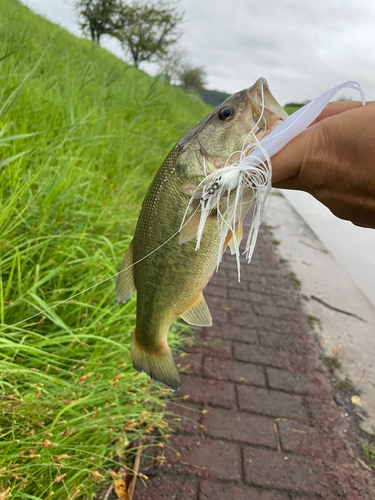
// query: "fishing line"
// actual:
[[97, 284], [156, 249], [253, 170]]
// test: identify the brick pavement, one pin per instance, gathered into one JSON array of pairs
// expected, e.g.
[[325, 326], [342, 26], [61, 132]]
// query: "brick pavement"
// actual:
[[260, 421]]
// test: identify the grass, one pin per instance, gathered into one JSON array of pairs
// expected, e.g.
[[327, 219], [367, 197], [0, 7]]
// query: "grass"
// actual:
[[334, 361], [369, 452], [294, 280], [291, 109], [81, 135], [348, 387]]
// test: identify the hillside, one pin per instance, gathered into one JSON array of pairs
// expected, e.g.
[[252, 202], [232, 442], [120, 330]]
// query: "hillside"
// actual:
[[214, 97], [81, 135]]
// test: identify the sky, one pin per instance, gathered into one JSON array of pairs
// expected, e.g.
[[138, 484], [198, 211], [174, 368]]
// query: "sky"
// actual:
[[301, 47]]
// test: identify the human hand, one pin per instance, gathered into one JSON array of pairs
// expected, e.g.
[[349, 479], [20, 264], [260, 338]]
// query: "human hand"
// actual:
[[334, 160]]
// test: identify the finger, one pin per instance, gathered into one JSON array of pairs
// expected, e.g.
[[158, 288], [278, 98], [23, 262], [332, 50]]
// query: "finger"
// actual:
[[335, 108], [292, 183], [287, 162]]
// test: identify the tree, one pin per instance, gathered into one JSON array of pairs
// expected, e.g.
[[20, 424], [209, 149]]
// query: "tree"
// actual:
[[99, 17], [192, 77], [148, 30], [170, 66]]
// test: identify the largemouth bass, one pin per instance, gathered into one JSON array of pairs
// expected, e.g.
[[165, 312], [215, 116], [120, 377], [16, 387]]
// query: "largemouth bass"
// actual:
[[169, 280]]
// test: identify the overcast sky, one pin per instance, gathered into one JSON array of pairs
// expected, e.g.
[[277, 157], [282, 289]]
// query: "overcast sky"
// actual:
[[301, 47]]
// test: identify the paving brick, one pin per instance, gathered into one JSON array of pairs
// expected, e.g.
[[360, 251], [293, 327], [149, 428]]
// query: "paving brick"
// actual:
[[302, 439], [289, 301], [219, 318], [219, 279], [226, 369], [205, 457], [218, 291], [239, 426], [210, 490], [228, 264], [212, 392], [271, 469], [212, 347], [190, 364], [278, 341], [162, 488], [262, 332], [288, 327], [240, 333], [287, 381], [185, 417], [261, 355], [238, 307], [217, 302], [272, 403], [274, 311], [244, 319], [241, 295], [233, 283]]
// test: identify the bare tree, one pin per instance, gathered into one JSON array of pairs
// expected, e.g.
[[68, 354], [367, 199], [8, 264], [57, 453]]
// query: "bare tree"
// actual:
[[148, 30], [98, 17], [170, 66]]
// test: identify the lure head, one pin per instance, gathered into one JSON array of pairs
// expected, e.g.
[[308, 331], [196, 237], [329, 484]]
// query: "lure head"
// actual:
[[234, 126]]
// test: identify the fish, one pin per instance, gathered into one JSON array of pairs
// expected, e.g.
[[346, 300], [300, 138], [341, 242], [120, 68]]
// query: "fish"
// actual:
[[162, 263]]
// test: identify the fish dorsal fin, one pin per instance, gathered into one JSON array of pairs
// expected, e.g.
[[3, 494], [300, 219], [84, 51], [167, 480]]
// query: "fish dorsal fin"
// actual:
[[198, 313], [125, 285], [190, 228], [238, 235]]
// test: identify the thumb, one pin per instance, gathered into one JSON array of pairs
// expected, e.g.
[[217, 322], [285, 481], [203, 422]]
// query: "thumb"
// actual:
[[287, 162]]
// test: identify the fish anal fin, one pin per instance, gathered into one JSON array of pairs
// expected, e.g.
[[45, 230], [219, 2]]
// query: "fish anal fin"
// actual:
[[198, 313], [157, 364], [125, 285], [190, 228]]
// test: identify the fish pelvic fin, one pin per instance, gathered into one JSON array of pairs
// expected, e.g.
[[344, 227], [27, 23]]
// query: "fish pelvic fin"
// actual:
[[190, 228], [197, 313], [238, 235], [157, 364], [125, 285]]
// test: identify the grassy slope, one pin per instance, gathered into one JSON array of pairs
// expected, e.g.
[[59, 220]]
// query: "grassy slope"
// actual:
[[69, 198]]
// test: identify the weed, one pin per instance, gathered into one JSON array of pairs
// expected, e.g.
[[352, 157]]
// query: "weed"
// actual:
[[293, 278], [81, 134], [369, 452], [334, 361], [347, 386]]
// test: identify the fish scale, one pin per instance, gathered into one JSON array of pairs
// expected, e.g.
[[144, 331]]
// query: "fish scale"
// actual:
[[170, 280]]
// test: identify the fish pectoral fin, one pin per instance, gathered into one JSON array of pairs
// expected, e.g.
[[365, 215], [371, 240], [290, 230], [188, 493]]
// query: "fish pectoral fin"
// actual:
[[238, 235], [188, 188], [198, 313], [190, 228], [125, 285]]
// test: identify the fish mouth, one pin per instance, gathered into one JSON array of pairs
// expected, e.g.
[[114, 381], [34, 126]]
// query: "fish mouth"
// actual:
[[260, 93], [264, 110]]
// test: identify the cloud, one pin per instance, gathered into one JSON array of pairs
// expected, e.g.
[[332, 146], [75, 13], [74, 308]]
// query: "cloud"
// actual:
[[301, 47]]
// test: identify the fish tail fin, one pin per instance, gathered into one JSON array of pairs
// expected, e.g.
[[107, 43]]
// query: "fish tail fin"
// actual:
[[157, 364]]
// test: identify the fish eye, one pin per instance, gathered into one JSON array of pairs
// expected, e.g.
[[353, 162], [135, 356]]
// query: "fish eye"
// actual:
[[226, 113]]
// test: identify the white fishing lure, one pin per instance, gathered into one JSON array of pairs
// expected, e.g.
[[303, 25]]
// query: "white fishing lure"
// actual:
[[254, 171]]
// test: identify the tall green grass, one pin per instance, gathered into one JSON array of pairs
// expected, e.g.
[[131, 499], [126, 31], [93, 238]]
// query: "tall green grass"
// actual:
[[81, 134]]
